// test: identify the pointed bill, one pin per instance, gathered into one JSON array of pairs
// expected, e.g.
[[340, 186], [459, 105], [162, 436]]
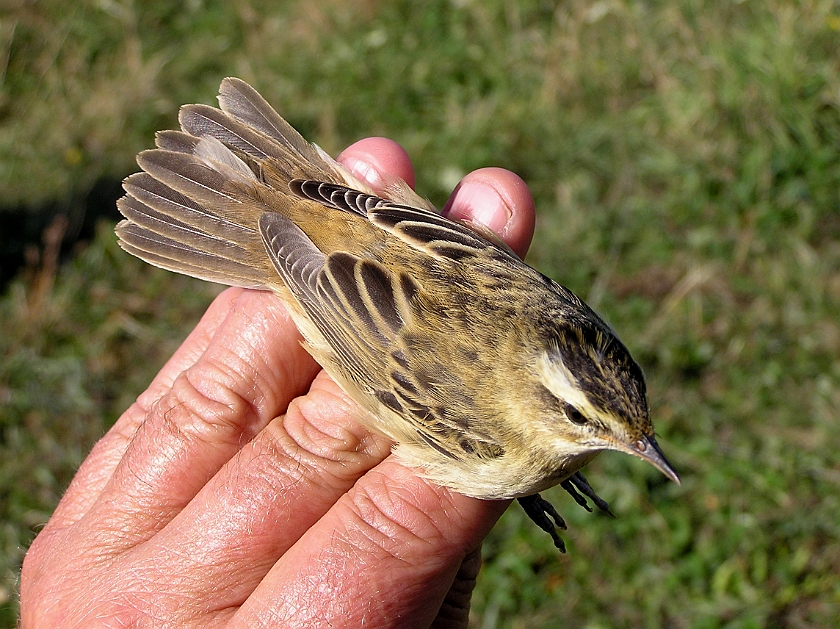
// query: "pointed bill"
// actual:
[[648, 450]]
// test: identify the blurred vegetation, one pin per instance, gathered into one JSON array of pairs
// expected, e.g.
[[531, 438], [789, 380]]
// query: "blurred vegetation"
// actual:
[[685, 159]]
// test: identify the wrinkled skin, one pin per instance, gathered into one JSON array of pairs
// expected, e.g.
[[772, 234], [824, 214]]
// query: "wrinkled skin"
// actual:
[[240, 491]]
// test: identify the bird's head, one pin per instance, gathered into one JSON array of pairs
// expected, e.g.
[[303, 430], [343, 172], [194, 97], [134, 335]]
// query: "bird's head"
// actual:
[[593, 389]]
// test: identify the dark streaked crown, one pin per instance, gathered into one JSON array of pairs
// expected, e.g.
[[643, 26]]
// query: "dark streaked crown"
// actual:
[[606, 373]]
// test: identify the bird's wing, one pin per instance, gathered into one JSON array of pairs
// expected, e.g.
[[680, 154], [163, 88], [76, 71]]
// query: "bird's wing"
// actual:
[[419, 227], [373, 335]]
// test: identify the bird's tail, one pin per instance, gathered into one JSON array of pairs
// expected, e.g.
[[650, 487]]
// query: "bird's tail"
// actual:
[[196, 207]]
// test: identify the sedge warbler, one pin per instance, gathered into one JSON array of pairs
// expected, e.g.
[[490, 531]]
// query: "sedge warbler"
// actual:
[[491, 379]]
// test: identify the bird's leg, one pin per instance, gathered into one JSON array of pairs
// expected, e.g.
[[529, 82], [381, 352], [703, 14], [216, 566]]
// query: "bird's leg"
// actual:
[[577, 482], [539, 510]]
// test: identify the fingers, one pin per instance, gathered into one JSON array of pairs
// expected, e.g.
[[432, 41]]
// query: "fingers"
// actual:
[[498, 199], [216, 550], [455, 610], [98, 467], [369, 157], [252, 367], [267, 496], [393, 534]]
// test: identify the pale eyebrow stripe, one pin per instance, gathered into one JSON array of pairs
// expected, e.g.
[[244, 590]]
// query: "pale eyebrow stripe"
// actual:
[[562, 384]]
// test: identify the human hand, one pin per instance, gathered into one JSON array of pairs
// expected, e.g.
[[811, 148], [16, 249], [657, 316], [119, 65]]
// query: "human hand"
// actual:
[[241, 491]]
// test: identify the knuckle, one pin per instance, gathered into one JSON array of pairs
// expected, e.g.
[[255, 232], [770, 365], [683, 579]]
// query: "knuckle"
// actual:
[[203, 403], [329, 446], [391, 523]]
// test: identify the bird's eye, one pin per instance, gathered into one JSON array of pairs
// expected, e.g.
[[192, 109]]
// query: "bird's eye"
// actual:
[[574, 415]]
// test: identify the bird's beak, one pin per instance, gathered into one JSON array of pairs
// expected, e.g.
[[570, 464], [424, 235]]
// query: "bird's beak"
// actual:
[[648, 450]]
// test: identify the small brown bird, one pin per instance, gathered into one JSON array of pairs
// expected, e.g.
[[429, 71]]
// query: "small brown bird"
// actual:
[[492, 379]]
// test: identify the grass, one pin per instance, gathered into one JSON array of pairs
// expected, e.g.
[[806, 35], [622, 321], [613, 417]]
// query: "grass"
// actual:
[[685, 159]]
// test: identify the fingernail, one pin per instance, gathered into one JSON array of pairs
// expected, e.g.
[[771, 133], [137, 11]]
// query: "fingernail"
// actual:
[[479, 202], [363, 170]]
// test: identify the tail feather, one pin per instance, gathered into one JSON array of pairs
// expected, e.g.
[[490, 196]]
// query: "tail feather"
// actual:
[[174, 255], [202, 120], [284, 154], [185, 215], [177, 141], [243, 103], [185, 234], [158, 197], [194, 178]]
